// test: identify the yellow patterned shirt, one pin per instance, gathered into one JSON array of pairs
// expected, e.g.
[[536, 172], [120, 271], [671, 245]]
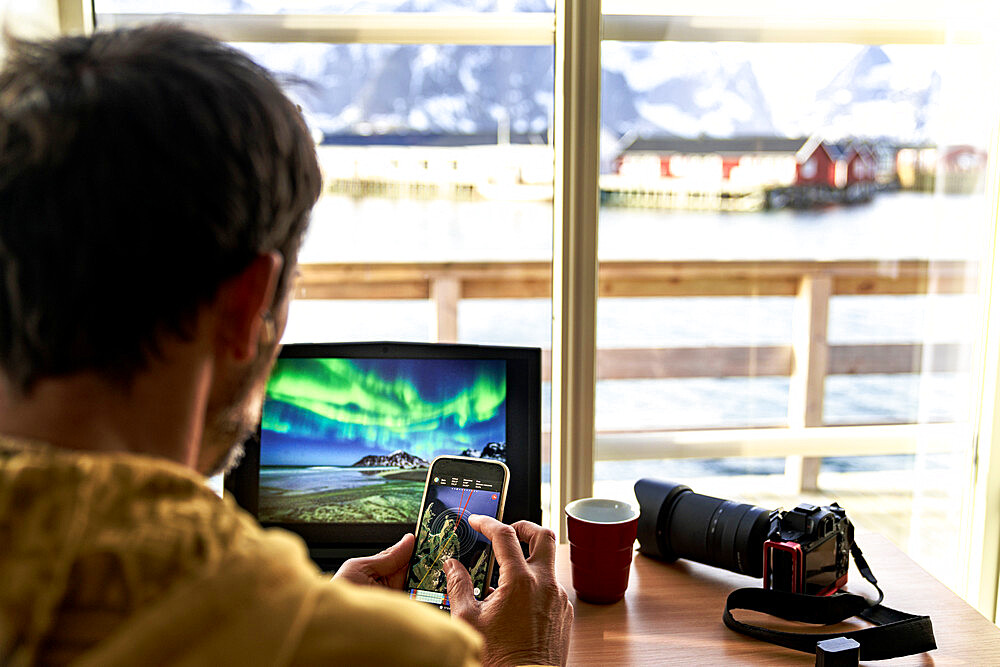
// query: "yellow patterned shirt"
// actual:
[[120, 559]]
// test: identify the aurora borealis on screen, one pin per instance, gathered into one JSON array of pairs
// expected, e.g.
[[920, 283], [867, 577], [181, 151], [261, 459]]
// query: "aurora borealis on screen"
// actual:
[[333, 412]]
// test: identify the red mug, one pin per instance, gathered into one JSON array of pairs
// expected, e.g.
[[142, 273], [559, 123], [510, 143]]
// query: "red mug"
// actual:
[[601, 540]]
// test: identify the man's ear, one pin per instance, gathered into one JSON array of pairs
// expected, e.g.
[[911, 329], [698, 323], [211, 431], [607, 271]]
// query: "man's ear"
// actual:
[[242, 304]]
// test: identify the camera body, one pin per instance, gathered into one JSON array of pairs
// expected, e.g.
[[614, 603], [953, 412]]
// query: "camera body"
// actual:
[[808, 549], [804, 550]]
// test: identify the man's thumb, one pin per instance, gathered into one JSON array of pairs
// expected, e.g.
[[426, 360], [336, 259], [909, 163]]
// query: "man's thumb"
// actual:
[[459, 588]]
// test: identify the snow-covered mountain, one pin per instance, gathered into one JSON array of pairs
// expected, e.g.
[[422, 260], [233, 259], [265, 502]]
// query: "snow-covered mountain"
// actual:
[[661, 89], [648, 88], [871, 97], [681, 89], [398, 459], [492, 450]]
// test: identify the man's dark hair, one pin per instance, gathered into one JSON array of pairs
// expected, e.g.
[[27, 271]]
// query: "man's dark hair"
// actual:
[[139, 169]]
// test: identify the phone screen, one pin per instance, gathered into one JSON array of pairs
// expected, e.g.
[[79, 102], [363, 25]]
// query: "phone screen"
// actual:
[[456, 488]]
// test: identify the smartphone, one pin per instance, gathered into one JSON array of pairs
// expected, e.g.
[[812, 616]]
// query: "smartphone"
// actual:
[[457, 486]]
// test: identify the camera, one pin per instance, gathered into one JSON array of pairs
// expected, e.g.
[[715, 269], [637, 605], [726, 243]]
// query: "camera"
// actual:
[[808, 550], [803, 550]]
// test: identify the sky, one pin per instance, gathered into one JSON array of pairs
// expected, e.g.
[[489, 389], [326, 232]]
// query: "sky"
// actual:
[[336, 411]]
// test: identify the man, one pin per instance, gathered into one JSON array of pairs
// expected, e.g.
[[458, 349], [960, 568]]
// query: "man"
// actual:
[[154, 189]]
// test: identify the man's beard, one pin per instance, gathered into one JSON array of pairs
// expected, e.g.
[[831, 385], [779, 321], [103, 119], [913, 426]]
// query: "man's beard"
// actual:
[[233, 417], [230, 459]]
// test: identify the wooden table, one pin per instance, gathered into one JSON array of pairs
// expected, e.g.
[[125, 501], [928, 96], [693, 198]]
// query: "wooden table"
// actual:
[[672, 614]]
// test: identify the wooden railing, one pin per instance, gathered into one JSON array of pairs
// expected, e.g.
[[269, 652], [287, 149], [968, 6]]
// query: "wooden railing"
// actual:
[[807, 361]]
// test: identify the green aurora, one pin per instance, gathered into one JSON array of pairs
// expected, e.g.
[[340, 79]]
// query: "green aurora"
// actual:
[[333, 411]]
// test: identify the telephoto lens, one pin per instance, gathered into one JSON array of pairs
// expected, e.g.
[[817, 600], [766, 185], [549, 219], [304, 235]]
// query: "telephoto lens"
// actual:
[[675, 522]]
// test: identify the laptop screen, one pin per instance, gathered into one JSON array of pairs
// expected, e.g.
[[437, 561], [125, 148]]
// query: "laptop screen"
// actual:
[[348, 430], [350, 440]]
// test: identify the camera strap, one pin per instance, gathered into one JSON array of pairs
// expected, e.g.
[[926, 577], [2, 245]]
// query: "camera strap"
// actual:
[[894, 634]]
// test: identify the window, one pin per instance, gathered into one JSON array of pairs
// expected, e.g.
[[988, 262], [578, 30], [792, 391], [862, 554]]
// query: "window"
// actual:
[[432, 130], [794, 230], [805, 197]]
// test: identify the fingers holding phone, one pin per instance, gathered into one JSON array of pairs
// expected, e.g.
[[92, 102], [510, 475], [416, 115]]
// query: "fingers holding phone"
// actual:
[[527, 618], [386, 568], [456, 488]]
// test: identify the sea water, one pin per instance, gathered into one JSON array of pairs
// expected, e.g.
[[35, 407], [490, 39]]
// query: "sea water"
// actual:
[[290, 480]]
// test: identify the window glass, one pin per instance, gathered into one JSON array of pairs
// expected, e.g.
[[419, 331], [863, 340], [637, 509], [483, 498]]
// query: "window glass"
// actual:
[[740, 181], [435, 222], [432, 155], [730, 173], [437, 192]]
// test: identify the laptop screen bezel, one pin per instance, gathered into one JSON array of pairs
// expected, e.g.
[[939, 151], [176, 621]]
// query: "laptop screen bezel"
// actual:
[[523, 437]]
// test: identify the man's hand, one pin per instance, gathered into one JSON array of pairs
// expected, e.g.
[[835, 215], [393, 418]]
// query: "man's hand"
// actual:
[[386, 568], [527, 619]]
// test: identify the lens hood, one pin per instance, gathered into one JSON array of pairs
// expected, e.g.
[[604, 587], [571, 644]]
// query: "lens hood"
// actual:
[[656, 500]]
